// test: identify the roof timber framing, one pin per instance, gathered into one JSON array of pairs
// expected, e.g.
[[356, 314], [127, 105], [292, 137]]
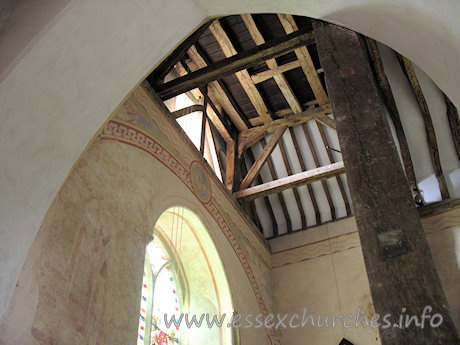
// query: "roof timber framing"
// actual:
[[305, 60], [250, 136], [390, 103], [260, 161], [292, 181], [167, 64], [225, 99], [214, 116], [273, 65], [235, 63], [269, 207], [243, 75], [408, 68], [219, 90]]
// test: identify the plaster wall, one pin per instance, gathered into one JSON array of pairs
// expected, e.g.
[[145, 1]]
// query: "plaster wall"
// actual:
[[323, 270], [81, 280], [61, 87]]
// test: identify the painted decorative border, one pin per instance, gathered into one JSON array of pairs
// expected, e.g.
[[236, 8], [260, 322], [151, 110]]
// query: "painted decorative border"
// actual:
[[315, 250], [125, 133]]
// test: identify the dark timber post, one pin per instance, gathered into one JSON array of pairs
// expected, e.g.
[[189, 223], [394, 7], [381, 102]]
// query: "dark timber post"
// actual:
[[400, 268]]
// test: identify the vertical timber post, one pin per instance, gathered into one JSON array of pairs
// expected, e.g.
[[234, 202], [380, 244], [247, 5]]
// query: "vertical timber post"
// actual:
[[400, 268]]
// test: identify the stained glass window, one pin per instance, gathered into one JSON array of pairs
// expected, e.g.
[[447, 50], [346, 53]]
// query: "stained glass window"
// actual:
[[160, 298]]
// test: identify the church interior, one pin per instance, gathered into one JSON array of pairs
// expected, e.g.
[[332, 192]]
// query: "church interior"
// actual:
[[294, 166]]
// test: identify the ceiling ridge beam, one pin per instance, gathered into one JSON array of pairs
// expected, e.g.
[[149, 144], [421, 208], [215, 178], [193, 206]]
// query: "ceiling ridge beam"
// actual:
[[235, 63], [260, 161], [292, 181]]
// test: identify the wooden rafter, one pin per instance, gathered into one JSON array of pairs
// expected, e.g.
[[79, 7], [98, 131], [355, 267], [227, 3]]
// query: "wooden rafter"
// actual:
[[265, 75], [274, 176], [204, 118], [214, 116], [408, 68], [230, 165], [218, 89], [317, 165], [260, 161], [243, 75], [273, 65], [249, 137], [305, 60], [390, 103], [298, 201], [188, 110], [250, 155], [332, 161], [249, 205], [235, 63], [454, 123], [292, 181]]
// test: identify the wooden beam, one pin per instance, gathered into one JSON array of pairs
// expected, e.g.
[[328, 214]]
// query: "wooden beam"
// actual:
[[167, 64], [407, 66], [390, 103], [204, 118], [230, 166], [306, 62], [250, 136], [265, 75], [454, 123], [298, 201], [243, 75], [292, 181], [317, 165], [260, 161], [235, 63], [398, 261], [326, 121], [188, 110], [219, 90], [273, 65], [214, 116], [434, 208]]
